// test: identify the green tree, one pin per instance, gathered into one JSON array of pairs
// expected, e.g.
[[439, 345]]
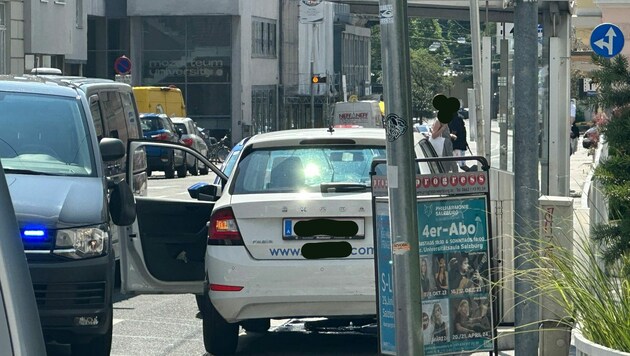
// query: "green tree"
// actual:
[[614, 173], [427, 80], [428, 68]]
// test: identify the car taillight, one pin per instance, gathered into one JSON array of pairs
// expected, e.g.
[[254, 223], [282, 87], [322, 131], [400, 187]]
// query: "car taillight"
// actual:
[[223, 229], [188, 142], [161, 136]]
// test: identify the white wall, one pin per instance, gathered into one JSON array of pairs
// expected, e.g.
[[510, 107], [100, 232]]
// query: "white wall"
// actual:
[[253, 71], [50, 28]]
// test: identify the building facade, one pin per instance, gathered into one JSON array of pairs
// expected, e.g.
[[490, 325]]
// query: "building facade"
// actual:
[[243, 66]]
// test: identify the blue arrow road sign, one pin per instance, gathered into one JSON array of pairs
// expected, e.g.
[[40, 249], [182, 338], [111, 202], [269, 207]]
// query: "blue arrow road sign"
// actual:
[[122, 65], [607, 40]]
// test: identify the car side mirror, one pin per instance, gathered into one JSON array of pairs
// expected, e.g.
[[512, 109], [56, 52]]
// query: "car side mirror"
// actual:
[[122, 205], [205, 191]]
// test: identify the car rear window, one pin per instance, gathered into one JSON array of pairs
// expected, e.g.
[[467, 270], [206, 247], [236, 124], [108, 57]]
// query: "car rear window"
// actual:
[[181, 127], [304, 169], [151, 124]]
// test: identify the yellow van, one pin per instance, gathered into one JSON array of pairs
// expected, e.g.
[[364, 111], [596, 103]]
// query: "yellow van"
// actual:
[[161, 100]]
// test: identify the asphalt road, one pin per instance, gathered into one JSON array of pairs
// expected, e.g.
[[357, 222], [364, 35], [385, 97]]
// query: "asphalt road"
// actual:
[[171, 325]]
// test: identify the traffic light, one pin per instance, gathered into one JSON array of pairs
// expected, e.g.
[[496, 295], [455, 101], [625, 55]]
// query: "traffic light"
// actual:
[[446, 107], [318, 79]]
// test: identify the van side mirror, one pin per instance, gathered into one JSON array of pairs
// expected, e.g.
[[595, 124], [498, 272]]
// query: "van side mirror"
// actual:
[[112, 149], [122, 205]]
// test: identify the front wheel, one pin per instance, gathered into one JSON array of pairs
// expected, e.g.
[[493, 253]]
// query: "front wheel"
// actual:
[[219, 336], [100, 345]]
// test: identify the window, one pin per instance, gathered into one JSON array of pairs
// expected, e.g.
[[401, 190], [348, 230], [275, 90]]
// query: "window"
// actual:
[[114, 115], [304, 168], [264, 109], [3, 43], [264, 38]]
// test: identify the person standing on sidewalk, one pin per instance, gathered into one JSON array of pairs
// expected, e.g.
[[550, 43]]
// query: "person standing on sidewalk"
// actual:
[[440, 129], [457, 126]]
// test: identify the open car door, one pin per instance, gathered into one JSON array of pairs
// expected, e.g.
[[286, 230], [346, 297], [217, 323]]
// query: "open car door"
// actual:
[[164, 248]]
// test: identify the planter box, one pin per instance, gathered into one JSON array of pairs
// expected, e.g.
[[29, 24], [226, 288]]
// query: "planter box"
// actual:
[[584, 347]]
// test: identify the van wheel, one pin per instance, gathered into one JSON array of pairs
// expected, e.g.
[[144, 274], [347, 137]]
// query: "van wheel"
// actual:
[[169, 171], [219, 336], [182, 171], [256, 325], [203, 171], [194, 170], [100, 345]]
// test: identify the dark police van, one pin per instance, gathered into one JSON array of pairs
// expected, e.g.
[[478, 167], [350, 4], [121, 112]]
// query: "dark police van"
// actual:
[[63, 150]]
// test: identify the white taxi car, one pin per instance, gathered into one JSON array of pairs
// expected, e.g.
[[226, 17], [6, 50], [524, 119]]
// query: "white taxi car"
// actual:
[[289, 234]]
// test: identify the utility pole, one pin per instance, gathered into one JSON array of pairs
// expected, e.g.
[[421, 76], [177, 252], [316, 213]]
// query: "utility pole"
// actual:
[[477, 75], [401, 177], [525, 172]]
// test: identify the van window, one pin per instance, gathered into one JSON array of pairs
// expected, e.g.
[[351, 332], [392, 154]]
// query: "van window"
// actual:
[[132, 119], [45, 134], [97, 117], [115, 117]]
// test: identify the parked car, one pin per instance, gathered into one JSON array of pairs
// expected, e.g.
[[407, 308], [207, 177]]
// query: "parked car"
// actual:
[[191, 138], [285, 192], [159, 127]]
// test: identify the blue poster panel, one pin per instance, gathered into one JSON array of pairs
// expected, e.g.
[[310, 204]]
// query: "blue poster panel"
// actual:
[[455, 275], [385, 280]]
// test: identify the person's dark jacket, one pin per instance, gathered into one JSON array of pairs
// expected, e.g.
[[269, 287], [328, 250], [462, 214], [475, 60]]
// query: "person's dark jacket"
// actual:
[[458, 128]]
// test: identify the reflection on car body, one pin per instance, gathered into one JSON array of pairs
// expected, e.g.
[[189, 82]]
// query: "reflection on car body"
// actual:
[[20, 328], [290, 233]]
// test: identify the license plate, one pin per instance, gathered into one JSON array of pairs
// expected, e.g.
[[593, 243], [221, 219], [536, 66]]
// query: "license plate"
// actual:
[[323, 229]]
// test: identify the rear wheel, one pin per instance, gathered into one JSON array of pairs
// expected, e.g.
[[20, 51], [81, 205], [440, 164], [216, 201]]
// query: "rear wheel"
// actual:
[[100, 345], [219, 336], [182, 171], [203, 170], [256, 325], [169, 171], [194, 170]]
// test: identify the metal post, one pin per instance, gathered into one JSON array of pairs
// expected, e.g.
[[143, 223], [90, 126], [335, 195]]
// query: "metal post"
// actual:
[[503, 103], [525, 171], [486, 69], [312, 74], [477, 76], [401, 177], [559, 26]]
